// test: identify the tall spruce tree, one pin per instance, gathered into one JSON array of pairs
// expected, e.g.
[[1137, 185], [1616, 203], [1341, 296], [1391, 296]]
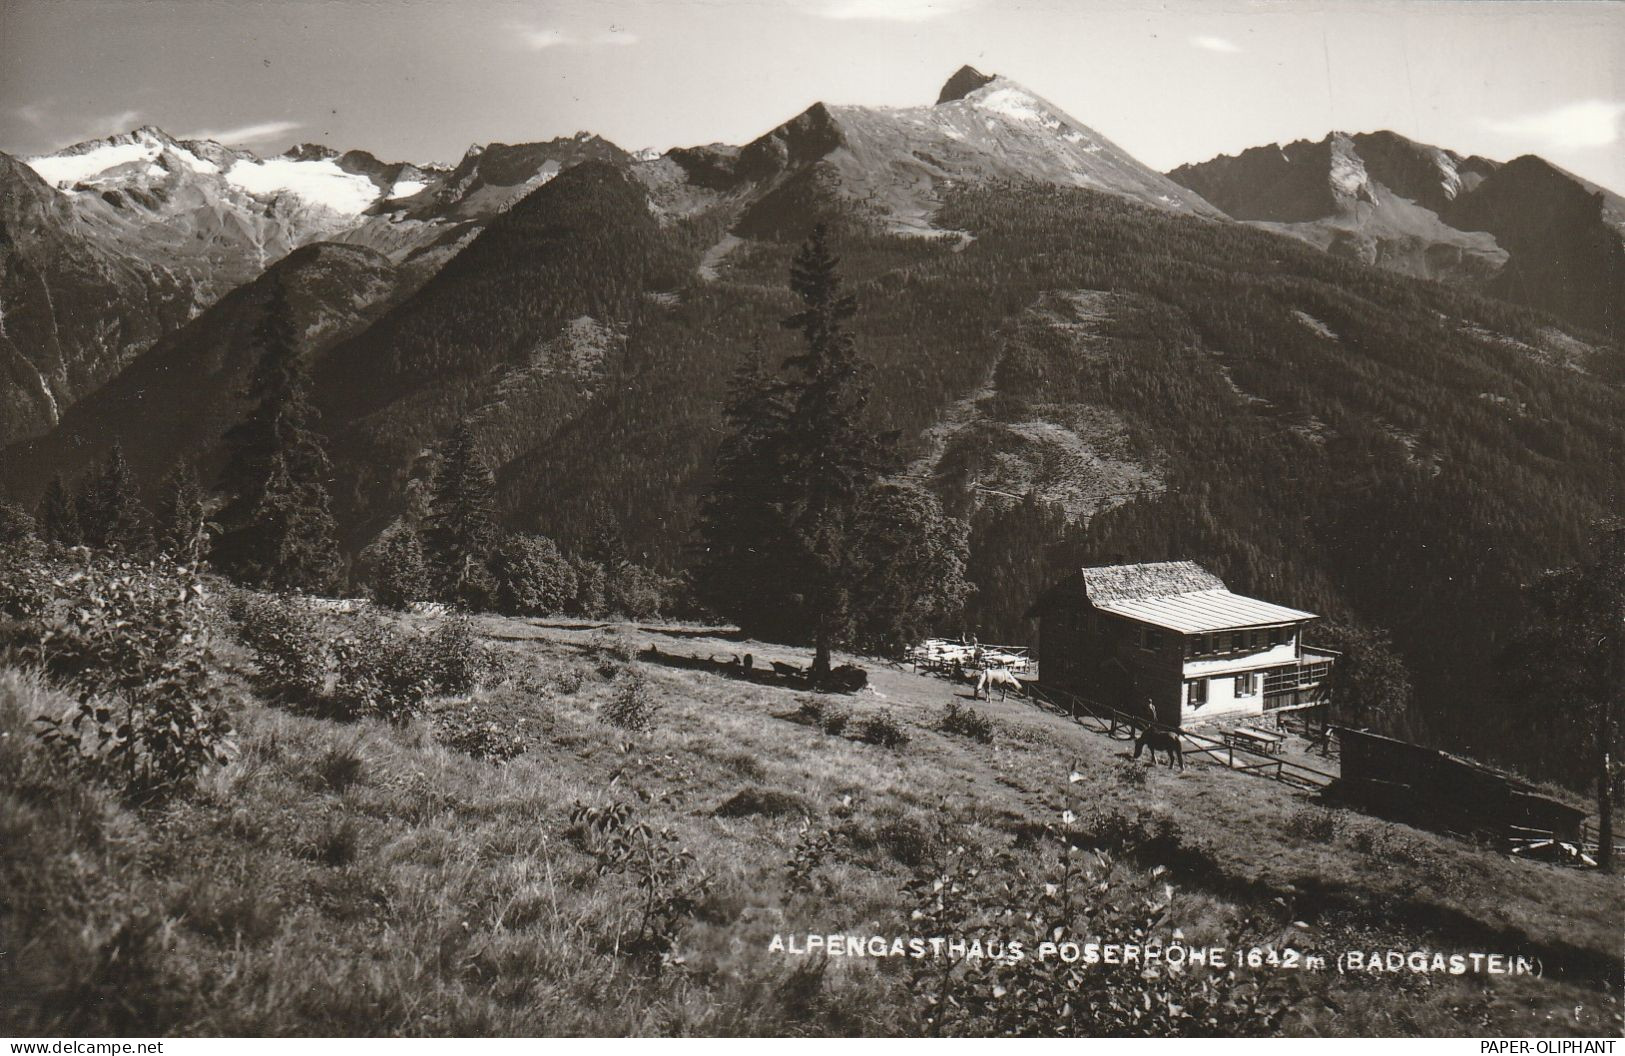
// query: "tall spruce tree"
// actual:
[[277, 526], [109, 509], [792, 474], [58, 517], [461, 533], [183, 516], [829, 459]]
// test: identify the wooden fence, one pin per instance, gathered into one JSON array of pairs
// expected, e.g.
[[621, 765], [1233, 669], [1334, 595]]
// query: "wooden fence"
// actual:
[[1120, 725], [1103, 718]]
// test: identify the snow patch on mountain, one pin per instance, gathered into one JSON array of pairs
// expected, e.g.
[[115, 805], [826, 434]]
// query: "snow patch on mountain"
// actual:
[[321, 182], [1013, 103], [407, 188], [66, 169]]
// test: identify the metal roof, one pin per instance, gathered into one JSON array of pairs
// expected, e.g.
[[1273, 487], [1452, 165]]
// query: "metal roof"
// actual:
[[1198, 611]]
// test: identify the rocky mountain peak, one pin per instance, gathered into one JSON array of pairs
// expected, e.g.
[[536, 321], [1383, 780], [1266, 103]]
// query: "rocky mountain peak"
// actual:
[[965, 80]]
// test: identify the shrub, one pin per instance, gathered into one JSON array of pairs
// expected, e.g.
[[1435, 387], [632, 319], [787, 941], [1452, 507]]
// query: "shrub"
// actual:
[[1131, 774], [379, 671], [466, 728], [668, 888], [613, 652], [813, 848], [636, 592], [1313, 823], [829, 717], [532, 577], [592, 585], [454, 659], [967, 722], [632, 706], [772, 802], [1064, 900], [399, 570], [292, 649], [883, 729], [130, 641]]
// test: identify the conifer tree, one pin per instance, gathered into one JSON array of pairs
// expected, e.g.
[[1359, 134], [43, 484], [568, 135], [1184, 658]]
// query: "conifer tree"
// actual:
[[792, 474], [58, 517], [461, 532], [183, 524], [277, 525], [109, 509], [829, 458]]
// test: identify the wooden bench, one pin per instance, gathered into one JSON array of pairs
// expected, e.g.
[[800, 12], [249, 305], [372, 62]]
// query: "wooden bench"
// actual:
[[1254, 739]]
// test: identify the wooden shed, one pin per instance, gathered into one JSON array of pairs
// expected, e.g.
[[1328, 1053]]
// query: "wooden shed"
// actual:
[[1438, 790]]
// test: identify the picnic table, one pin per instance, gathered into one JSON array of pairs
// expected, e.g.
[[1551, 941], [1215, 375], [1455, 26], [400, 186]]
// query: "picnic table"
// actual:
[[1255, 739]]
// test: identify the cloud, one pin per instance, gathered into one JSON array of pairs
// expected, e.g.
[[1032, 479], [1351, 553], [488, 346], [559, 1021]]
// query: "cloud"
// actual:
[[1214, 44], [537, 39], [111, 124], [33, 113], [246, 133], [891, 10], [1572, 126]]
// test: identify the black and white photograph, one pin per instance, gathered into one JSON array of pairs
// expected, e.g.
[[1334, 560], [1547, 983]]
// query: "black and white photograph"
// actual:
[[978, 519]]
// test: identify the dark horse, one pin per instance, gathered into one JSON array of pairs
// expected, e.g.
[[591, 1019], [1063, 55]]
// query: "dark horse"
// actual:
[[1157, 739]]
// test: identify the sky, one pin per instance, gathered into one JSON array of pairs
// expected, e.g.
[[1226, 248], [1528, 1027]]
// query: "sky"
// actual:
[[1171, 81]]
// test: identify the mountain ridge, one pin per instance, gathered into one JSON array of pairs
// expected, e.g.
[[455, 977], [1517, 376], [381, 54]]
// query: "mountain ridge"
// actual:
[[1524, 230]]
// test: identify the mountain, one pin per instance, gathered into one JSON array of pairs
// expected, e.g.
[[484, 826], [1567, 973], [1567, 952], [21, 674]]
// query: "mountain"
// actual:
[[1086, 360], [73, 309], [1526, 230], [113, 242], [177, 399], [896, 164]]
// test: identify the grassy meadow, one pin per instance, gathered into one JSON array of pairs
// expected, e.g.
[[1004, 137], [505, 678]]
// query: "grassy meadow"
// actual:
[[347, 878]]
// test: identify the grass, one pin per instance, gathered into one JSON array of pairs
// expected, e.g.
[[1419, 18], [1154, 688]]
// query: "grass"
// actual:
[[358, 878]]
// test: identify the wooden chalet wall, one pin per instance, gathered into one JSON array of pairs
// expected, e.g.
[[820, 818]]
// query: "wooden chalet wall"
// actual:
[[1100, 657]]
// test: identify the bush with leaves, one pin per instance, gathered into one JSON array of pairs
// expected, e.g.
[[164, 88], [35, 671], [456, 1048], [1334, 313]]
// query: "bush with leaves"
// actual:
[[883, 729], [636, 592], [455, 661], [1068, 896], [827, 716], [532, 577], [397, 568], [130, 640], [292, 646], [660, 868], [379, 671], [466, 728], [632, 706], [966, 721]]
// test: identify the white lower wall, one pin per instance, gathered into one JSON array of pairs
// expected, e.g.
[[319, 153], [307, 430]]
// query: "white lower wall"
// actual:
[[1222, 700]]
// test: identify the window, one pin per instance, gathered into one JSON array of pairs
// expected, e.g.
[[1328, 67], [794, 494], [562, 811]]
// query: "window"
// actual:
[[1196, 692], [1244, 685]]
